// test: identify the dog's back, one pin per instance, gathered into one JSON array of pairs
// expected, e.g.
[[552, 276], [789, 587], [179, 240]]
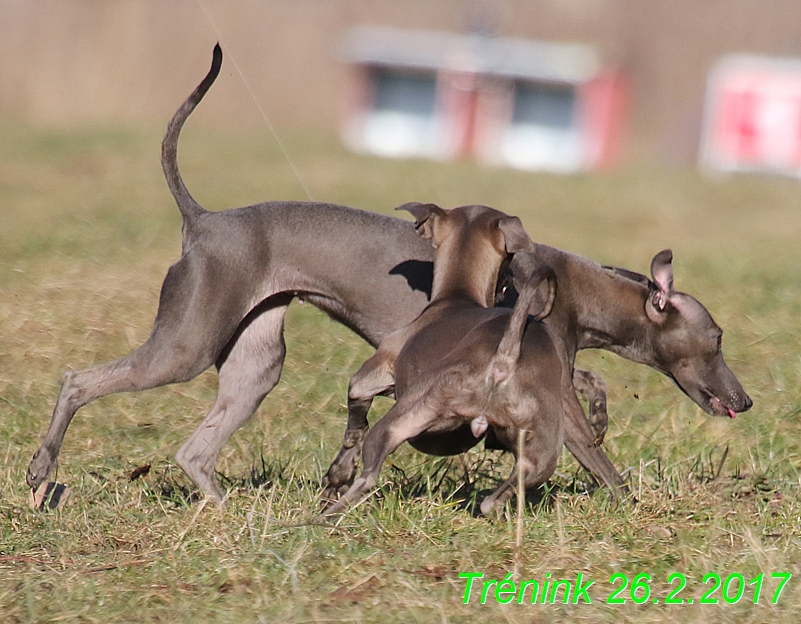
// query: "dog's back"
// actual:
[[454, 356], [466, 341]]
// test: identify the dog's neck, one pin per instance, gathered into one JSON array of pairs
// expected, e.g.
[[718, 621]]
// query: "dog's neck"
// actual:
[[594, 308], [613, 320], [465, 272], [608, 312]]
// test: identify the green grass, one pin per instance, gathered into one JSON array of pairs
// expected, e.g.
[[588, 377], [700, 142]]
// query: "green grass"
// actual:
[[88, 232]]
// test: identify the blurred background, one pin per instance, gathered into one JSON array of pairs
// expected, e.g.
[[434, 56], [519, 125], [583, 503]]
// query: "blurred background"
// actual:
[[593, 83], [612, 128]]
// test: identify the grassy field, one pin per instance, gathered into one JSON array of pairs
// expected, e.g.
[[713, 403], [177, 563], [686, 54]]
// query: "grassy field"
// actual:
[[88, 232]]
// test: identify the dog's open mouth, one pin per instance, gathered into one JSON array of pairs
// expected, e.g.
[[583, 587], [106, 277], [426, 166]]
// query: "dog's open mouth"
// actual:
[[717, 407]]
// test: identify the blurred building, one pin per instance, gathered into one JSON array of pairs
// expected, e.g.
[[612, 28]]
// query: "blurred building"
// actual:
[[79, 61], [752, 120], [513, 102]]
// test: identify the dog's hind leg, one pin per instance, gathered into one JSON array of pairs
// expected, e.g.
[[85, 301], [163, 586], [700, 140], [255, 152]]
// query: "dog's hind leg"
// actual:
[[250, 368], [141, 370], [186, 339], [537, 465]]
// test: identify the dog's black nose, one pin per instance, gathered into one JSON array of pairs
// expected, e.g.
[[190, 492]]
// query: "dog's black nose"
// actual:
[[747, 404]]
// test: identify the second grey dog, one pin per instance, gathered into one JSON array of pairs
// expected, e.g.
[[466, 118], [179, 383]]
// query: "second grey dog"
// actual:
[[462, 363]]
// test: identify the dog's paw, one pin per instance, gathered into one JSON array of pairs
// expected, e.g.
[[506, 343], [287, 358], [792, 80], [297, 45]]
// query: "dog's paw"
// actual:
[[600, 429], [39, 469], [341, 474], [599, 419], [49, 496], [331, 492], [487, 505]]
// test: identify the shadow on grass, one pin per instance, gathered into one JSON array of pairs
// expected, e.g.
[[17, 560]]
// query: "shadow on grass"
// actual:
[[268, 473], [464, 481], [178, 491], [461, 482]]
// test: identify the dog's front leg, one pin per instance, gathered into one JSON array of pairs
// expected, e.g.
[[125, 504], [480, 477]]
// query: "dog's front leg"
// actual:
[[409, 417], [592, 389], [580, 441], [375, 377]]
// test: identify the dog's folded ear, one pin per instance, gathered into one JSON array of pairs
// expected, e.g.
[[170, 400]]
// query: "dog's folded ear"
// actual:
[[662, 287], [422, 214], [515, 236]]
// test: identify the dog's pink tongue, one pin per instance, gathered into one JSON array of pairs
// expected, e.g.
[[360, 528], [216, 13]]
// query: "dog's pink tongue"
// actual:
[[731, 413]]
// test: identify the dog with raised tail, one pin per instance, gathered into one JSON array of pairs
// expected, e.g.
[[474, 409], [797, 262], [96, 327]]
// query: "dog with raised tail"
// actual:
[[223, 303]]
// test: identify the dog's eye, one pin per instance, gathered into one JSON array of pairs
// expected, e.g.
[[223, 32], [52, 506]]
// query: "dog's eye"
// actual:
[[720, 341]]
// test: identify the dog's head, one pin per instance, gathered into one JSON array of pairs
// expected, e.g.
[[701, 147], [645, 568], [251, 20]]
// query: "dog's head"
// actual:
[[685, 344], [472, 243]]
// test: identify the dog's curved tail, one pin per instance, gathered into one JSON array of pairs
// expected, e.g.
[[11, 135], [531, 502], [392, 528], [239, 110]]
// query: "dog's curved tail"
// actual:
[[189, 208], [509, 348]]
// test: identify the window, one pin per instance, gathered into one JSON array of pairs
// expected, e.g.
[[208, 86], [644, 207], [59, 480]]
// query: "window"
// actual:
[[544, 133], [542, 105], [402, 121], [411, 94]]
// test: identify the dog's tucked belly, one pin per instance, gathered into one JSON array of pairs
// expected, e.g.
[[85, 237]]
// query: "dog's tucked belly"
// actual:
[[452, 434], [451, 437]]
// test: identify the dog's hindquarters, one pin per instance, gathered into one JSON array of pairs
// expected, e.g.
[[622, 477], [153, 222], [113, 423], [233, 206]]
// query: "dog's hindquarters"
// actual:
[[250, 370], [173, 353], [531, 399]]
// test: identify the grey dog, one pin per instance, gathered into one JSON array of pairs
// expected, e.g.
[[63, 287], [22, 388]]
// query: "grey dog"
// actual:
[[223, 304]]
